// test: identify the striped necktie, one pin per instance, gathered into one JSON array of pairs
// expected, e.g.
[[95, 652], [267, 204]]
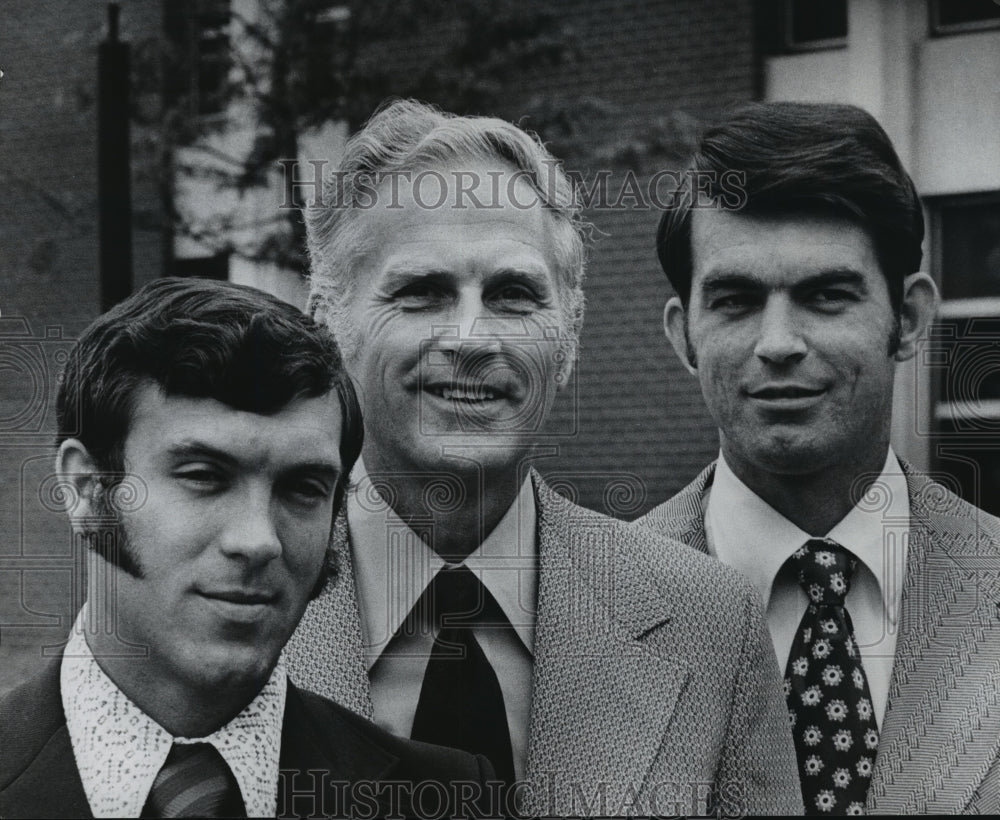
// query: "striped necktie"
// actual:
[[195, 781]]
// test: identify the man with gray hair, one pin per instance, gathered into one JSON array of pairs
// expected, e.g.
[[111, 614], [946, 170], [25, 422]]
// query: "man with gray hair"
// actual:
[[604, 670]]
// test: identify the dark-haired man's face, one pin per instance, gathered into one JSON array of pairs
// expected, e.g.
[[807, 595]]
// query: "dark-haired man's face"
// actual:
[[226, 535], [789, 329]]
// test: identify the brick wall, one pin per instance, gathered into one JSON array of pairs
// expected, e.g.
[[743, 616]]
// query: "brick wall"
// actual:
[[643, 431], [48, 287]]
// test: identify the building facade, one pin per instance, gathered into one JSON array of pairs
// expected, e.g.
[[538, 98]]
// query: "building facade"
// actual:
[[632, 428]]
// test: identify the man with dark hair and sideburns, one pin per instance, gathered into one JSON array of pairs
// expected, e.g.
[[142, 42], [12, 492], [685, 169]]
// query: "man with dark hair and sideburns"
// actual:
[[880, 585], [206, 435]]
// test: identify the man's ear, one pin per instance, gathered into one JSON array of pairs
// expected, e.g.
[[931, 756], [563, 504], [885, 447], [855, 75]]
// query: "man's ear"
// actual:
[[917, 311], [673, 326], [79, 477]]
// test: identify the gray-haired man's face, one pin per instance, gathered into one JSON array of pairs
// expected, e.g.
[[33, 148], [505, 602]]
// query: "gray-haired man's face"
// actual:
[[456, 318]]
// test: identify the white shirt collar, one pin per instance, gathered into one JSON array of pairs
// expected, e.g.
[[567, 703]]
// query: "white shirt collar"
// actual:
[[119, 749], [393, 565], [747, 533]]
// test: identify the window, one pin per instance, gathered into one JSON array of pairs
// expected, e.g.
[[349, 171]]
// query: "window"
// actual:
[[202, 267], [968, 235], [962, 354], [324, 35], [789, 26], [213, 61], [956, 16], [198, 73]]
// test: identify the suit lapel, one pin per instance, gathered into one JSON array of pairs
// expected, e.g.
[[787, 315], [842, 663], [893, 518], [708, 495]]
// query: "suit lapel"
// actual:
[[326, 653], [941, 731], [49, 785], [596, 676], [682, 518], [319, 749]]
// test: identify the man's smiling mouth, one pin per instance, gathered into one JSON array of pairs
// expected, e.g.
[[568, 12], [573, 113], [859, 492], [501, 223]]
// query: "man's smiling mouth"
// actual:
[[782, 392], [464, 394]]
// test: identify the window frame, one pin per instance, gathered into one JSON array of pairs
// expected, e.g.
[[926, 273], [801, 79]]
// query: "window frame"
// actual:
[[939, 29], [954, 309], [775, 30]]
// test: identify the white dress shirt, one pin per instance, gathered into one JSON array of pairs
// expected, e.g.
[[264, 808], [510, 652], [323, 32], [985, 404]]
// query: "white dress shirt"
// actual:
[[747, 533], [393, 566], [119, 749]]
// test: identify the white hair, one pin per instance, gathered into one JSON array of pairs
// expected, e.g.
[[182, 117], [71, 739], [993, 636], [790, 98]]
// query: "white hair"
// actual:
[[407, 135]]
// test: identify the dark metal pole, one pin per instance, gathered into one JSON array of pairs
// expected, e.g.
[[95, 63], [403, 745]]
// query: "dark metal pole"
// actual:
[[113, 165]]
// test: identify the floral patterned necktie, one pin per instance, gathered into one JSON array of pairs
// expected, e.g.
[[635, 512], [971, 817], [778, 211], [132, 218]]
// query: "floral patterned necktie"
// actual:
[[829, 703]]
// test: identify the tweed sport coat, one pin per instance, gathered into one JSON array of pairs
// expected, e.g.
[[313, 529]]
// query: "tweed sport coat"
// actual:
[[939, 751], [328, 759], [653, 674]]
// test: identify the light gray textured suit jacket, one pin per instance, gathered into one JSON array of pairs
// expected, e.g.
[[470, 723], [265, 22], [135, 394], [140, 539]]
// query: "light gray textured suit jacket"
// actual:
[[939, 750], [653, 673]]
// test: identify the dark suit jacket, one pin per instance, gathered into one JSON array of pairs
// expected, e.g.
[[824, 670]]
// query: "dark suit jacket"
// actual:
[[329, 756], [939, 750]]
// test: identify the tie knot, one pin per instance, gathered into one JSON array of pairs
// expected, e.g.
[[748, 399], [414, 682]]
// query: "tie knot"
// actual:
[[195, 781], [824, 570], [455, 590], [456, 598]]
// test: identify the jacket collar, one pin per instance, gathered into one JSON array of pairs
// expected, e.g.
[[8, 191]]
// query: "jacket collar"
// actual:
[[40, 778]]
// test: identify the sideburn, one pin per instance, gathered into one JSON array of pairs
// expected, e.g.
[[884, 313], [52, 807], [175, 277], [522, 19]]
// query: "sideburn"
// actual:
[[896, 334], [108, 537], [691, 357]]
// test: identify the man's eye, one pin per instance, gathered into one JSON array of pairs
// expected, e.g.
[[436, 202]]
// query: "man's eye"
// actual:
[[733, 302], [203, 478], [831, 297], [515, 297], [309, 493], [418, 294]]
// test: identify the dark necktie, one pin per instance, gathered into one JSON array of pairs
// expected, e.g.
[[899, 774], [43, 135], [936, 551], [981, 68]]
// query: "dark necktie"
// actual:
[[195, 781], [461, 704], [829, 702]]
